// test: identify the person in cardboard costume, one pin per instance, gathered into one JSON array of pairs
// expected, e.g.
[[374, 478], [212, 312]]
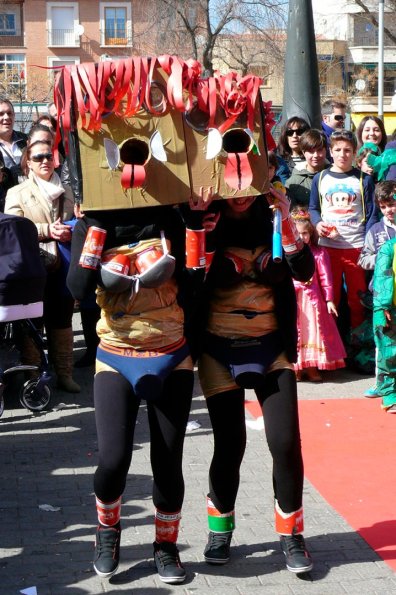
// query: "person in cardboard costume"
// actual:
[[250, 342], [142, 355]]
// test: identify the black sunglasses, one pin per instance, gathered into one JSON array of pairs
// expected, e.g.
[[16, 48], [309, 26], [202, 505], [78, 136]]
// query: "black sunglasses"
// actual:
[[339, 118], [39, 158], [344, 133], [298, 131]]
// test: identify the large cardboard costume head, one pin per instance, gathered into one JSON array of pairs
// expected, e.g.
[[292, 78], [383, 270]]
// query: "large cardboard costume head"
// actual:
[[148, 131]]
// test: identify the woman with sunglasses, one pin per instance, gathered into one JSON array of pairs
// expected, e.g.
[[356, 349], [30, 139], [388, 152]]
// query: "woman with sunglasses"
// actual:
[[42, 199], [289, 146]]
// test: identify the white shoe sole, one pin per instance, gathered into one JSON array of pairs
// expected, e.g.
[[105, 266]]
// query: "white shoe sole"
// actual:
[[217, 561], [300, 570], [172, 580], [105, 574]]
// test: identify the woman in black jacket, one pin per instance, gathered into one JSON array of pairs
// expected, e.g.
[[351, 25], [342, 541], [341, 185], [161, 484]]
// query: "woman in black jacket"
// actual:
[[250, 342]]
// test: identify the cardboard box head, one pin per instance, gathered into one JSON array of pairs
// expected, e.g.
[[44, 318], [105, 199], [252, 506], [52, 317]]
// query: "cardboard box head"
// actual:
[[142, 132]]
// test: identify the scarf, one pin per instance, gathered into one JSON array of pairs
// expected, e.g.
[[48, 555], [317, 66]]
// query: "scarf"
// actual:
[[51, 189]]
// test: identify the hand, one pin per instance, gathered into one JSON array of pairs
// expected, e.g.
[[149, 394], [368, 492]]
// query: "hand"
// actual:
[[326, 230], [210, 221], [331, 308], [78, 211], [388, 318], [59, 231], [204, 199], [278, 200]]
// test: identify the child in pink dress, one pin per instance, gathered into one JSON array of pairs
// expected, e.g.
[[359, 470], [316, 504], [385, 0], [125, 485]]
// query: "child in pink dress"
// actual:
[[319, 343]]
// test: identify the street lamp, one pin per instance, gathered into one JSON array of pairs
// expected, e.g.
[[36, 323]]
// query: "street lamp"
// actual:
[[381, 59]]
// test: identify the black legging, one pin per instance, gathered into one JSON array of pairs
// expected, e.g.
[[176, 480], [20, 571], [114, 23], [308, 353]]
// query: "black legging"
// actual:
[[278, 401], [116, 409]]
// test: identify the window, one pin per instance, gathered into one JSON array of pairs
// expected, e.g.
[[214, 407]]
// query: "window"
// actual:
[[7, 24], [115, 24], [12, 76], [62, 21], [57, 62]]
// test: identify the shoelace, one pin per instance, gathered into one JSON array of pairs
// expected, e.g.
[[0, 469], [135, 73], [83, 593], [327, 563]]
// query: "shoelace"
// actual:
[[217, 540], [107, 540], [295, 544], [168, 557]]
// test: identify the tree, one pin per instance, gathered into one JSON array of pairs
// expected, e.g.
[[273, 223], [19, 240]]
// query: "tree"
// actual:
[[202, 29], [370, 14], [13, 87]]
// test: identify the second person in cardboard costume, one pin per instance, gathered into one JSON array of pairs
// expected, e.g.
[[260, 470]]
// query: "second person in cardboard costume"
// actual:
[[250, 342], [143, 354]]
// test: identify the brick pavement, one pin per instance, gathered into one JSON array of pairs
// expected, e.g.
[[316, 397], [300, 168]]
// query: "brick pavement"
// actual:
[[50, 458]]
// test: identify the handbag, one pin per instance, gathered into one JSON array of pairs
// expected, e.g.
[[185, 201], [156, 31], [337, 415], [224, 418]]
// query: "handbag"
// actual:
[[50, 255], [49, 249]]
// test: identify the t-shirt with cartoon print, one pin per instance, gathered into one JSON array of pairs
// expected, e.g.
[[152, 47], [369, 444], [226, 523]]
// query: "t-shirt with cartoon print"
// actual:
[[339, 203]]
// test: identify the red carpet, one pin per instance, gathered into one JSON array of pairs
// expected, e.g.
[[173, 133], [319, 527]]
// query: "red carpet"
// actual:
[[349, 449]]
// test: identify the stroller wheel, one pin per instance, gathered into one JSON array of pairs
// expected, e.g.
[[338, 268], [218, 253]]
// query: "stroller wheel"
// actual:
[[33, 399]]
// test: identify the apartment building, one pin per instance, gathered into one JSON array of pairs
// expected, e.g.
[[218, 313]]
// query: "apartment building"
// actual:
[[345, 23], [39, 36]]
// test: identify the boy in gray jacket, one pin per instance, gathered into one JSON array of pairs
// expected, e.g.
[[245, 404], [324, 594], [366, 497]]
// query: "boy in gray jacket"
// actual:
[[298, 185]]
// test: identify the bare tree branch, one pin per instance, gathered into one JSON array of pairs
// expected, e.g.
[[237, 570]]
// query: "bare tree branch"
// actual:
[[373, 20]]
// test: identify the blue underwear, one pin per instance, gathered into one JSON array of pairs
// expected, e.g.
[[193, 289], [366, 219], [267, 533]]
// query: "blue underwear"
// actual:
[[145, 374], [247, 360]]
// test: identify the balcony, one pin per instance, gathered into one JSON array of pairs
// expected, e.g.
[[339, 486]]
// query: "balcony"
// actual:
[[12, 39], [119, 38], [63, 38]]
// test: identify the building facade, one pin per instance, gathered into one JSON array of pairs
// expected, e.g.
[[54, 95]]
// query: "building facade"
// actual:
[[342, 22], [37, 37]]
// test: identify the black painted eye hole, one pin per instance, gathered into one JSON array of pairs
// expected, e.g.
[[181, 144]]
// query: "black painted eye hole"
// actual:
[[157, 98], [236, 140], [197, 119], [135, 152]]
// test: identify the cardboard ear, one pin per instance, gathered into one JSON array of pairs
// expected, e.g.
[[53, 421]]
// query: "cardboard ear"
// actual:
[[214, 143], [112, 153], [157, 147], [255, 148]]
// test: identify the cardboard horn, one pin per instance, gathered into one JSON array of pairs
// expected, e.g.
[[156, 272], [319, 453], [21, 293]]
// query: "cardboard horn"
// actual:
[[238, 143], [135, 154]]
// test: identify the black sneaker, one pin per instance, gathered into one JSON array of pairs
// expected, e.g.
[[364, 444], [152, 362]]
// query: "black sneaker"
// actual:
[[167, 561], [296, 554], [107, 550], [217, 550]]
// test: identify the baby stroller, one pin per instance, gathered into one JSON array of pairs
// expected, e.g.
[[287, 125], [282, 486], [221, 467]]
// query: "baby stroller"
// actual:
[[22, 282]]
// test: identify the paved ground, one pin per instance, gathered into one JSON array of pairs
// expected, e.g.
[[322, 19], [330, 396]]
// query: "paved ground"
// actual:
[[49, 459]]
